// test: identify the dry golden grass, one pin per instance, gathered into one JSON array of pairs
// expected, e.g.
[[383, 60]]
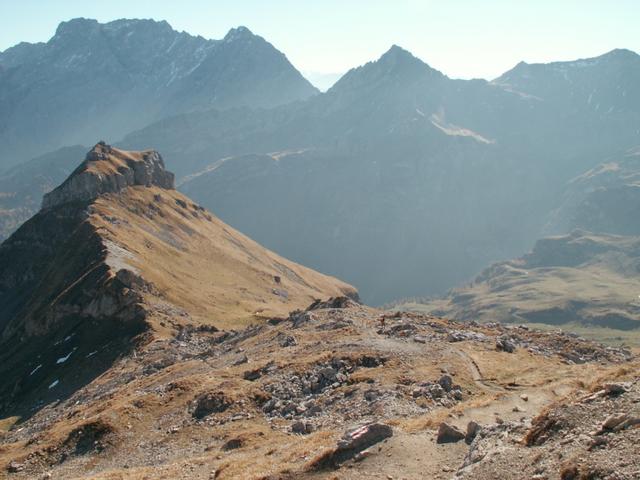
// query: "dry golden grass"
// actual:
[[215, 273], [7, 423]]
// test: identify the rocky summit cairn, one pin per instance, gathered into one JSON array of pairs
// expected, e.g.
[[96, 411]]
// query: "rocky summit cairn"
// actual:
[[108, 170]]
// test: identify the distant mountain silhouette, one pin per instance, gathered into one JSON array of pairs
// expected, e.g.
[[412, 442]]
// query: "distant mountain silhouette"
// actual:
[[93, 80], [402, 180]]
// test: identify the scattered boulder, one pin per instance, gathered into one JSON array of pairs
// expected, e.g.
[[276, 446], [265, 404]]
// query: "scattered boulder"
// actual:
[[252, 375], [446, 382], [402, 330], [275, 321], [209, 403], [299, 318], [285, 340], [505, 345], [618, 422], [240, 360], [614, 388], [15, 467], [333, 302], [301, 428], [363, 437], [449, 434], [232, 444]]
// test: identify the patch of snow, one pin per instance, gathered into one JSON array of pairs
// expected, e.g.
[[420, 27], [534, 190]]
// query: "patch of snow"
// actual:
[[56, 382], [456, 131], [285, 153], [420, 112], [64, 359], [92, 353], [35, 369]]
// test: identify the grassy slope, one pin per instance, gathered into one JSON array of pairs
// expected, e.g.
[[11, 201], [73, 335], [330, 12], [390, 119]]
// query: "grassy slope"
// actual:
[[200, 264]]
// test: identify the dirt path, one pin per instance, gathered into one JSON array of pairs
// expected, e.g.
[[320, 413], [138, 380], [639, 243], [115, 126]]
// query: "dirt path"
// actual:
[[474, 370], [416, 455]]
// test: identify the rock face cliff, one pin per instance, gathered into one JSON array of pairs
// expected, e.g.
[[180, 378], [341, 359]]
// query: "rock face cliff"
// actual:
[[109, 170]]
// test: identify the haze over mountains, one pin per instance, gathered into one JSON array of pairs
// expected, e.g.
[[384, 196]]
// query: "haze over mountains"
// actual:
[[585, 275], [398, 179], [143, 337], [103, 80], [443, 176]]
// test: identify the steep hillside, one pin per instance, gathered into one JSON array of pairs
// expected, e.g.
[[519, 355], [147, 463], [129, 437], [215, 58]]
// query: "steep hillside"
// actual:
[[115, 252], [22, 187], [587, 279], [582, 278], [604, 199], [103, 80]]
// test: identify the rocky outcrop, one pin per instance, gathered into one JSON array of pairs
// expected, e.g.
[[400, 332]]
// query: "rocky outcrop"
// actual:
[[109, 170], [352, 443]]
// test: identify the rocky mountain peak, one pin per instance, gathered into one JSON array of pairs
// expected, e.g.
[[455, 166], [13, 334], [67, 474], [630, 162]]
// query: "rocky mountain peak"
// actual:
[[395, 65], [400, 59], [238, 33], [76, 27], [107, 170], [622, 53]]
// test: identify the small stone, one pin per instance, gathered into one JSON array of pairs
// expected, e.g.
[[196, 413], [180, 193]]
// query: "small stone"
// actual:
[[505, 345], [446, 382], [473, 429], [613, 421], [240, 360], [15, 467], [524, 397], [614, 389], [449, 434], [301, 428]]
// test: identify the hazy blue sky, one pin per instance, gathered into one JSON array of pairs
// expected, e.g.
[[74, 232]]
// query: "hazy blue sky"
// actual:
[[462, 38]]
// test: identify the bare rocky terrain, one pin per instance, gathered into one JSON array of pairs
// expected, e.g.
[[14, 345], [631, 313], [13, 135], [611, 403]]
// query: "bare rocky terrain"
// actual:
[[282, 399]]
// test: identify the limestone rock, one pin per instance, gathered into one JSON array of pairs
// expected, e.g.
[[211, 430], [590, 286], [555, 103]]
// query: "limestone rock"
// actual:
[[109, 170]]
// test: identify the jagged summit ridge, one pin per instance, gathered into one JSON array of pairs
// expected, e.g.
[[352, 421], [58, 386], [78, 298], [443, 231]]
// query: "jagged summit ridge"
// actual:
[[108, 170]]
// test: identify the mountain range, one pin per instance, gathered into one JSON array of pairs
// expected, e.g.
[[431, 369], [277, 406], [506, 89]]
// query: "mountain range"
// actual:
[[444, 176], [104, 80], [398, 179]]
